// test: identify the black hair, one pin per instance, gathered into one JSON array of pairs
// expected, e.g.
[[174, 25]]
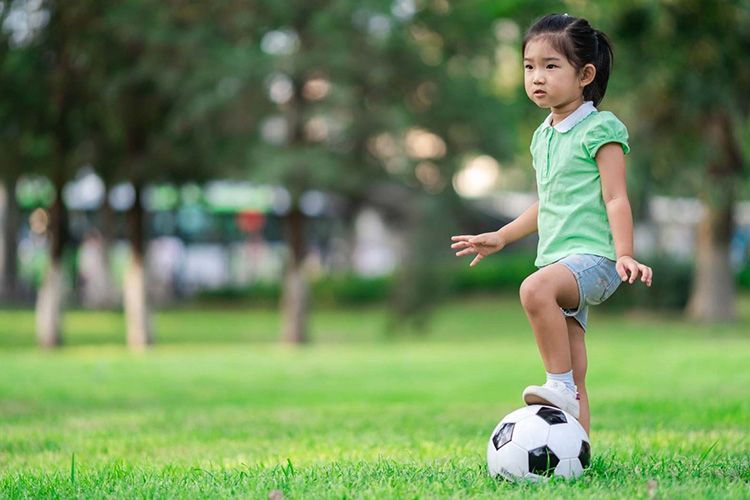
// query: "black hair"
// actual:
[[580, 44]]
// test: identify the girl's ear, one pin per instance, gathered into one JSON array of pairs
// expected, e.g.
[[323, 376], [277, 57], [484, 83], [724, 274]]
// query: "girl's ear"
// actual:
[[587, 74]]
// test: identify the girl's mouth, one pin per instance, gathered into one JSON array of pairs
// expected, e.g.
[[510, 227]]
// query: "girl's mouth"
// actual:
[[539, 93]]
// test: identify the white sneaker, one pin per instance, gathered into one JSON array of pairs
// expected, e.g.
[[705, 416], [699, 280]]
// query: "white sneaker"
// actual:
[[553, 393]]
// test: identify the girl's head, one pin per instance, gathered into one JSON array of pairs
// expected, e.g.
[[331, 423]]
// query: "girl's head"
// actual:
[[584, 60]]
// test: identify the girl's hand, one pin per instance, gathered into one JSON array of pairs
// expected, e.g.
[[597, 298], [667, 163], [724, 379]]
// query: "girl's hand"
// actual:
[[629, 269], [481, 244]]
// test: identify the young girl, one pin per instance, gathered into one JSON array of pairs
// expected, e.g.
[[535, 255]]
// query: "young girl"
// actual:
[[583, 214]]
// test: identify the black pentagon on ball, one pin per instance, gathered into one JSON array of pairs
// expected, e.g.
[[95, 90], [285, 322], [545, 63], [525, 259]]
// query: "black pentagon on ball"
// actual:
[[585, 454], [503, 435], [551, 415], [542, 461]]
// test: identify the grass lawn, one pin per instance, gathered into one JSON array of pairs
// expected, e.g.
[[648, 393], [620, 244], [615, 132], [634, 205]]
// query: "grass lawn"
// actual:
[[217, 408]]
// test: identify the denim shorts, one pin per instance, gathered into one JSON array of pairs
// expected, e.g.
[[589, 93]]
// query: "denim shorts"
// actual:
[[597, 280]]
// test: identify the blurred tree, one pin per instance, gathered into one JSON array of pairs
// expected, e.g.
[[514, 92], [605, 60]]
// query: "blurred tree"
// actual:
[[370, 98], [131, 113], [175, 99], [64, 79], [45, 66], [10, 226], [686, 63], [16, 75], [463, 83]]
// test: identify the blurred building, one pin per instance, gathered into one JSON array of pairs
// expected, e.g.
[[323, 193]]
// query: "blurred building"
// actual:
[[229, 234]]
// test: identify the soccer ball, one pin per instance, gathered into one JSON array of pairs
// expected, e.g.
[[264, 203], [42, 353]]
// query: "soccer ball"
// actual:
[[538, 441]]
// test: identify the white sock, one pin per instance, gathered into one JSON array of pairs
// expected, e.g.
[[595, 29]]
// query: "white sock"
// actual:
[[566, 378]]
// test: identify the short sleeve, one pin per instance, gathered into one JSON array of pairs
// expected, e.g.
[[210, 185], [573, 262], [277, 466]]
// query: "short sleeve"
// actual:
[[607, 129]]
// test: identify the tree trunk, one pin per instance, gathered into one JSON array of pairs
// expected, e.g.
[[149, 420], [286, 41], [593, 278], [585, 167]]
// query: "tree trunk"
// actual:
[[712, 297], [94, 271], [9, 250], [98, 289], [49, 306], [108, 223], [50, 296], [137, 314], [294, 301]]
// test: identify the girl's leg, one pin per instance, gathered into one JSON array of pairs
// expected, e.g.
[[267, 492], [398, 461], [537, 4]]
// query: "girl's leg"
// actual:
[[542, 295], [580, 363]]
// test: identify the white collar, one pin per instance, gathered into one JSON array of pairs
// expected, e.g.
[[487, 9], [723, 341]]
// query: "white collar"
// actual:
[[572, 119]]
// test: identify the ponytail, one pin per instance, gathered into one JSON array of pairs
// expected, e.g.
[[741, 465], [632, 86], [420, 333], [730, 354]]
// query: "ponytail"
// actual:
[[603, 59]]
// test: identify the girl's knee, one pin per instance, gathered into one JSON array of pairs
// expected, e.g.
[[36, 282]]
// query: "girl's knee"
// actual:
[[534, 294]]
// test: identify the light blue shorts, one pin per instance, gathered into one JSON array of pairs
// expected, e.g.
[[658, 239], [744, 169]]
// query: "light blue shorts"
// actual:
[[597, 280]]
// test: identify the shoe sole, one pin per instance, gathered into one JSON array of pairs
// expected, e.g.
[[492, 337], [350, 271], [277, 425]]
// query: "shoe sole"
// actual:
[[536, 399]]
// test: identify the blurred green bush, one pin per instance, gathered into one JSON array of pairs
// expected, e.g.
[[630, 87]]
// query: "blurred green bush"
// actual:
[[743, 277], [499, 274], [669, 290], [350, 289]]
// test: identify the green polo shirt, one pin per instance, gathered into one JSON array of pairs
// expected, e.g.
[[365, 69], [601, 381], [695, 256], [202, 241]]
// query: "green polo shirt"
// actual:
[[572, 217]]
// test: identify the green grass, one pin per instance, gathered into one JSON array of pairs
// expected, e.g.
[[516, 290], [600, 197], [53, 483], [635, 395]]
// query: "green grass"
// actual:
[[218, 409]]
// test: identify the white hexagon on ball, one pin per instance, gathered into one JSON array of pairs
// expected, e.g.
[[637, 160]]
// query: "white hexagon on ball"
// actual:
[[531, 432]]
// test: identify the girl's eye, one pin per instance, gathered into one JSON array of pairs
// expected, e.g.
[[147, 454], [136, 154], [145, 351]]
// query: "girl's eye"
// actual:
[[550, 66], [528, 66]]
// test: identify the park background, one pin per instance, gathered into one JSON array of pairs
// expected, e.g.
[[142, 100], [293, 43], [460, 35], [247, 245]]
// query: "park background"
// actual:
[[226, 266]]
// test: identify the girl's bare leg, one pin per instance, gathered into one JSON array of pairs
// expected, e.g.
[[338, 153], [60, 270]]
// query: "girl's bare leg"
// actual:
[[580, 364], [542, 295]]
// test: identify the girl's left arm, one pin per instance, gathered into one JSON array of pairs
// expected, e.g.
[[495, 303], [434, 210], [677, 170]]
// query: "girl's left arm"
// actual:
[[611, 162]]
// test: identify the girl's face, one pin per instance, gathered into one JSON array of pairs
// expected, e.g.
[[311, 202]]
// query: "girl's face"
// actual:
[[551, 81]]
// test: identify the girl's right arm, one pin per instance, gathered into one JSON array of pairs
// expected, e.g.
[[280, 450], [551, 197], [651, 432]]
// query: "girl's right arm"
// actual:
[[488, 243], [521, 226]]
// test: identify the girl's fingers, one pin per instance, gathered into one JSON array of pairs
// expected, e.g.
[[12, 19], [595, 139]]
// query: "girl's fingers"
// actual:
[[634, 271], [460, 244], [621, 271], [467, 251], [476, 260], [462, 237], [647, 275], [631, 270]]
